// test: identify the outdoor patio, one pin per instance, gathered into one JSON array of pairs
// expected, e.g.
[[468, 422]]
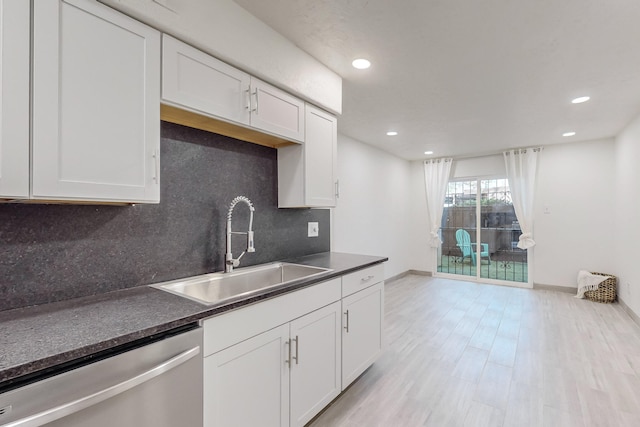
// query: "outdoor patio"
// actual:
[[505, 265]]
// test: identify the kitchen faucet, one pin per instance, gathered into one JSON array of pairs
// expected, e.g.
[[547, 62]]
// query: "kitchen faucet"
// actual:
[[230, 262]]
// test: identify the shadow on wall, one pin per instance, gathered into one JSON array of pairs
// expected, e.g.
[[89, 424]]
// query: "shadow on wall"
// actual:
[[54, 252]]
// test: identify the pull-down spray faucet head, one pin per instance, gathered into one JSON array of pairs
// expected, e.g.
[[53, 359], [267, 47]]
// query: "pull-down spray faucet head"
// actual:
[[230, 262]]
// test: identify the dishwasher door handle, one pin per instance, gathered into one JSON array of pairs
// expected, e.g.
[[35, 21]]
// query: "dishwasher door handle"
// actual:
[[72, 407]]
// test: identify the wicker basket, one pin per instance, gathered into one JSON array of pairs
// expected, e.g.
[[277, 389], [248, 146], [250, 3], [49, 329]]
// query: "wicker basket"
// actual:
[[606, 292]]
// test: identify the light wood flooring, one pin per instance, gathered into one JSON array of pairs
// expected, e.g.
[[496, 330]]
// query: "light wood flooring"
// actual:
[[467, 354]]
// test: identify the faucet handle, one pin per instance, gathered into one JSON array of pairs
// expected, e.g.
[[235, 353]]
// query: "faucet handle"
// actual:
[[250, 247]]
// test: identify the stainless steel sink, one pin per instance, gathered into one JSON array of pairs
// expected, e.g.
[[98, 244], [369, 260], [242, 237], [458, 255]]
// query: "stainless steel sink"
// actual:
[[218, 288]]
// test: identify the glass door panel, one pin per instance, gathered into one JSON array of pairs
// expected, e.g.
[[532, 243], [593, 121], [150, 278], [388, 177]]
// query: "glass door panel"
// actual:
[[500, 232], [456, 254], [497, 257]]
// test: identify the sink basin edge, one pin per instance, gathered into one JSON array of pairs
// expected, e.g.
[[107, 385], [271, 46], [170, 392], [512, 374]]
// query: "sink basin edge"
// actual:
[[219, 288]]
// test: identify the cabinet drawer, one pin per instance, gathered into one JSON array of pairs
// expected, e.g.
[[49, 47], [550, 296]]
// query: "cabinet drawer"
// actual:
[[238, 325], [361, 279]]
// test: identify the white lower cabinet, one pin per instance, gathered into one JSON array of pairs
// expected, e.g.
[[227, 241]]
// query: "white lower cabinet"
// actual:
[[278, 363], [275, 363], [248, 384], [315, 363], [282, 377], [362, 331]]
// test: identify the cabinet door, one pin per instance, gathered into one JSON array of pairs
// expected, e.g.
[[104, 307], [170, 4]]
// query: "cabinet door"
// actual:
[[362, 331], [200, 82], [320, 146], [96, 104], [277, 112], [315, 365], [248, 384], [14, 102], [307, 172]]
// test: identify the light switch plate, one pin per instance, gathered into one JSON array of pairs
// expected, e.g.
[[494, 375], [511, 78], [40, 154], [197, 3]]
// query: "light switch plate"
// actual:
[[312, 229]]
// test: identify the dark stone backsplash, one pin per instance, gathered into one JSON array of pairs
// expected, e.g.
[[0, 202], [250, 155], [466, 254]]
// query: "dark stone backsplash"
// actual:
[[54, 252]]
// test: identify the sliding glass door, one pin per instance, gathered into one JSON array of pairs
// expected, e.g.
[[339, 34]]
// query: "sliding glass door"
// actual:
[[459, 224], [481, 211]]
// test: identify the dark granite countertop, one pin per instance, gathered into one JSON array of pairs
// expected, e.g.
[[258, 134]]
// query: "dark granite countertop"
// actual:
[[37, 338]]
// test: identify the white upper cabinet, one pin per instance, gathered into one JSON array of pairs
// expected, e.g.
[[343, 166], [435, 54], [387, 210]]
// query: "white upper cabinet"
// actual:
[[96, 104], [200, 82], [196, 81], [273, 110], [307, 173], [14, 102]]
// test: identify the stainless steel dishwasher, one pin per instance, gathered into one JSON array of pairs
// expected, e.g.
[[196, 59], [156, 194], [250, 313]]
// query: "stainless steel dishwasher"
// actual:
[[158, 384]]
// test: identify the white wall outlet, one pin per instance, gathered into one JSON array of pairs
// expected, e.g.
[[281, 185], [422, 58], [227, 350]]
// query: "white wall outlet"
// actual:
[[313, 229]]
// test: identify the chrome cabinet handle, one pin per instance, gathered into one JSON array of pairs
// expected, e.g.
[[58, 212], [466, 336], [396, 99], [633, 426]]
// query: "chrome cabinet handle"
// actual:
[[346, 313], [69, 408], [297, 357], [337, 189], [288, 343], [366, 279], [248, 97], [255, 105], [156, 157]]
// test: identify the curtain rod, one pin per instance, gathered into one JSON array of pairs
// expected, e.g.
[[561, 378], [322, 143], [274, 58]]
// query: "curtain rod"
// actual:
[[497, 153]]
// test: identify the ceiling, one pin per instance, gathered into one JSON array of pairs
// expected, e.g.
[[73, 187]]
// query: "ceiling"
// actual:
[[464, 77]]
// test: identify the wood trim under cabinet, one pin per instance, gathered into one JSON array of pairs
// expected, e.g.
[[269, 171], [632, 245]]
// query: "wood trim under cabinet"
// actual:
[[65, 202], [179, 116]]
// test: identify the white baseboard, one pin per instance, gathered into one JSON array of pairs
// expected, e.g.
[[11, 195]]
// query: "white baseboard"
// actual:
[[420, 273], [408, 272], [629, 311], [565, 289]]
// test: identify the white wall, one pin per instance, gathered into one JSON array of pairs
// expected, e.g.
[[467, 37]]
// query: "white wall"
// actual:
[[372, 216], [423, 257], [479, 167], [576, 184], [227, 31], [626, 215]]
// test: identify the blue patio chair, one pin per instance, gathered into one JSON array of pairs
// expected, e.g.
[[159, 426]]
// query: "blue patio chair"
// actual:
[[469, 249]]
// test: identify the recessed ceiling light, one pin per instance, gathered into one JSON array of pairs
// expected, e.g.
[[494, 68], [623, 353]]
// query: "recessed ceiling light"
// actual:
[[361, 63], [392, 133], [580, 100], [428, 152], [568, 134]]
